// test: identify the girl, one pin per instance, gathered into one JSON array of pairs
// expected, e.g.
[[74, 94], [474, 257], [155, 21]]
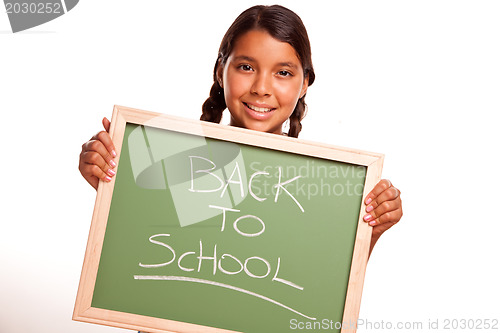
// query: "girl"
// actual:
[[261, 76]]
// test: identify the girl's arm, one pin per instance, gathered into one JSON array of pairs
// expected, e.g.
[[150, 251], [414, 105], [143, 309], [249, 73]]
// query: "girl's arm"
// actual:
[[384, 209], [96, 158]]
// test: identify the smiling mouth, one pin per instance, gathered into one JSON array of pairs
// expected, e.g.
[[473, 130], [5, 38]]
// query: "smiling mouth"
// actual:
[[257, 109]]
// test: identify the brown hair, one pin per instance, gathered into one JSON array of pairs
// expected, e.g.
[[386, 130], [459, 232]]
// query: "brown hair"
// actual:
[[282, 24]]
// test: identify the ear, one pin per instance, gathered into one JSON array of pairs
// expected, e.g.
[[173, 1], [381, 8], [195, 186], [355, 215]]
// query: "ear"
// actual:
[[219, 74], [305, 84]]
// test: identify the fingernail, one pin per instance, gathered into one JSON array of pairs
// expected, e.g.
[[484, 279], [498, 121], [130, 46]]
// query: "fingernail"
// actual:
[[113, 152], [367, 217], [111, 172], [367, 202], [369, 208], [372, 223], [112, 163], [107, 178]]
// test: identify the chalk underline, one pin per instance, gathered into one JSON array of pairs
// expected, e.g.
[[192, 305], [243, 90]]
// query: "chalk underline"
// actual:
[[218, 284]]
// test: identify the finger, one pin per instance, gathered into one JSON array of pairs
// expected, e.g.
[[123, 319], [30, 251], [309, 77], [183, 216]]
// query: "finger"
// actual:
[[389, 194], [385, 207], [94, 181], [97, 172], [94, 167], [105, 138], [94, 158], [82, 166], [391, 217], [106, 123], [102, 143], [382, 185], [92, 174]]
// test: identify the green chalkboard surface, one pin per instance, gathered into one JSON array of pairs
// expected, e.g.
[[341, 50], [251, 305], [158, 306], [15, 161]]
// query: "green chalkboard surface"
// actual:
[[227, 235]]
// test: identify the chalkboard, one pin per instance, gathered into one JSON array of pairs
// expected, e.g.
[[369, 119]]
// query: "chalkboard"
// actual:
[[211, 228]]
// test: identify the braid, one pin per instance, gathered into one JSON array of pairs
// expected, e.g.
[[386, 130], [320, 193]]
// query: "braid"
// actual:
[[214, 105], [301, 108], [297, 115]]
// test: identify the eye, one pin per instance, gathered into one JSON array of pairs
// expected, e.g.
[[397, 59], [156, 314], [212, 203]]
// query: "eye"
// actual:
[[284, 73], [245, 67]]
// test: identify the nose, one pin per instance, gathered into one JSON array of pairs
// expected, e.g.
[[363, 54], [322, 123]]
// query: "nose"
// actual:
[[262, 84]]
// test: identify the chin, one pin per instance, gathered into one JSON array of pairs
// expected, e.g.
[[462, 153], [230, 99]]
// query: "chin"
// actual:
[[254, 125], [263, 128]]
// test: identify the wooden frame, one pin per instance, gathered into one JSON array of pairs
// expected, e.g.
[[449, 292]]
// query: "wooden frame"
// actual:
[[83, 310]]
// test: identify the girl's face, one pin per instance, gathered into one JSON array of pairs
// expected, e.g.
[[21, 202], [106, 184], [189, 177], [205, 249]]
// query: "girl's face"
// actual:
[[263, 79]]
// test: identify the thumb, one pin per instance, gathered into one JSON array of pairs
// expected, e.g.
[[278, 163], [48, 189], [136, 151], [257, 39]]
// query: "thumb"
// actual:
[[106, 123]]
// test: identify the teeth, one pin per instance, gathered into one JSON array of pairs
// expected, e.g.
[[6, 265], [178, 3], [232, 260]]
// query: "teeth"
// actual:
[[258, 109]]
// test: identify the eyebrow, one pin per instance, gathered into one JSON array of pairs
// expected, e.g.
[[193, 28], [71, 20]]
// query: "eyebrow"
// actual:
[[287, 64], [250, 59], [243, 57]]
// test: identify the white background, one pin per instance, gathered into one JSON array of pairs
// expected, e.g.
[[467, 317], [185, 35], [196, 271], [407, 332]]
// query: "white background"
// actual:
[[416, 80]]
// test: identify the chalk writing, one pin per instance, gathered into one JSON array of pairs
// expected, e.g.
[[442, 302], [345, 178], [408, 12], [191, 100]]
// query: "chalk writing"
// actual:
[[204, 166], [218, 284]]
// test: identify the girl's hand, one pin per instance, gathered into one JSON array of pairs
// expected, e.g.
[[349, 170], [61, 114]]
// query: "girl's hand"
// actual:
[[96, 158], [383, 208]]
